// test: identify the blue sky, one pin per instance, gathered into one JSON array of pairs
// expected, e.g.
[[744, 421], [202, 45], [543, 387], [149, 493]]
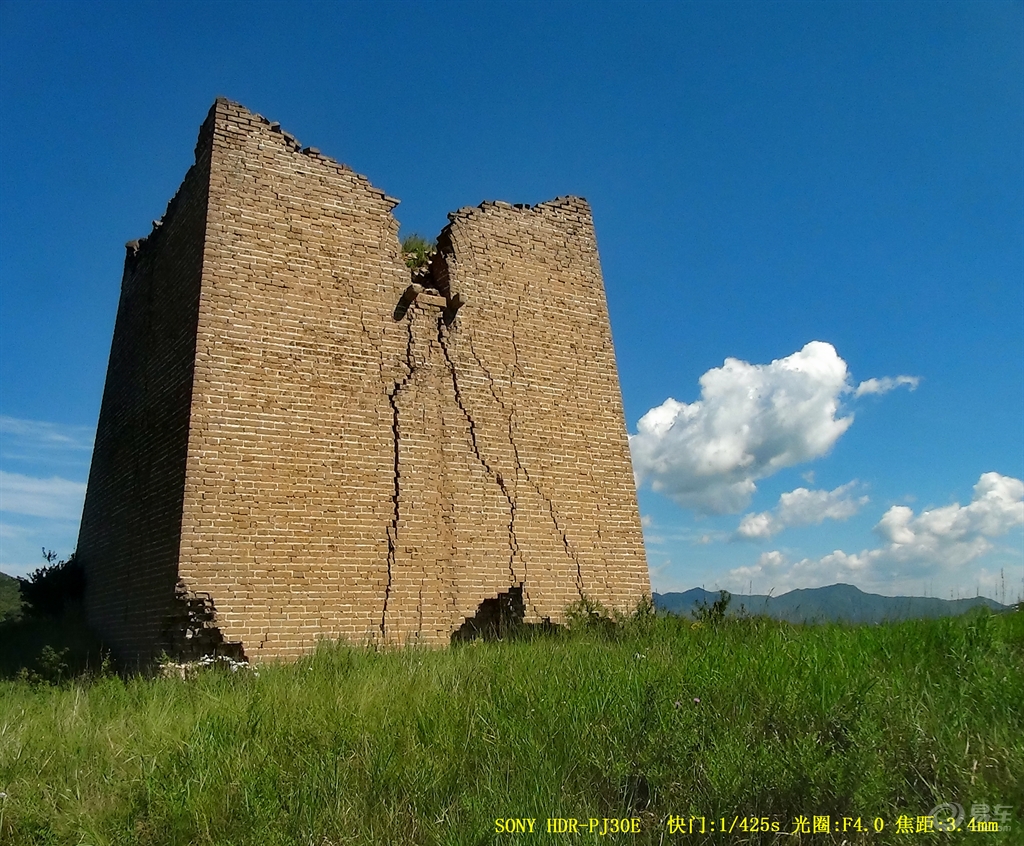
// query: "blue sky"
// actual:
[[810, 220]]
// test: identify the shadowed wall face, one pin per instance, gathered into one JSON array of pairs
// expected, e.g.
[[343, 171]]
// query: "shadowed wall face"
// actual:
[[355, 456], [131, 521]]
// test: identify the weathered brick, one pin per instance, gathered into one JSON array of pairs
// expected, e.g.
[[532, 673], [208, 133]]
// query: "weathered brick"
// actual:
[[303, 450]]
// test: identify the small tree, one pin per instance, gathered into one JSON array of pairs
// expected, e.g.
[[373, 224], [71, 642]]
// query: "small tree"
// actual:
[[50, 589]]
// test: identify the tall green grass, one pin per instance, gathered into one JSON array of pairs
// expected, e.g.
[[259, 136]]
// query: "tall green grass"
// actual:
[[656, 717]]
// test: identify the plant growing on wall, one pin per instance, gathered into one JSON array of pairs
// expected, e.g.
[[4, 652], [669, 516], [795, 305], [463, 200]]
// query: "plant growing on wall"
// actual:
[[416, 251]]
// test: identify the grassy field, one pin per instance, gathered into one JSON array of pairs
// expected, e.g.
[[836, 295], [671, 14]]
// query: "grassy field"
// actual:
[[654, 720]]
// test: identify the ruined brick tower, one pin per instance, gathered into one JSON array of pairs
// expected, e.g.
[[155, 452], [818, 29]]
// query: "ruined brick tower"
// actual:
[[298, 440]]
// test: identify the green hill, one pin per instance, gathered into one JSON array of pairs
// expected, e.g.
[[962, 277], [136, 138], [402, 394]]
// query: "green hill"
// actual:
[[10, 598]]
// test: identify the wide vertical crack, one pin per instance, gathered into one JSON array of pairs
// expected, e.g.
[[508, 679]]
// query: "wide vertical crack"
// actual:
[[513, 542], [396, 435]]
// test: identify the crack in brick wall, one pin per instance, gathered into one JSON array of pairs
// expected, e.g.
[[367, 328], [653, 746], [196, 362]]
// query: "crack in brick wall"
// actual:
[[498, 478], [395, 497], [519, 464], [324, 444]]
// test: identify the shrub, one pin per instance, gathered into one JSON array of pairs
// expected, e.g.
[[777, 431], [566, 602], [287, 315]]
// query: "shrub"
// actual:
[[51, 589], [713, 615], [51, 642]]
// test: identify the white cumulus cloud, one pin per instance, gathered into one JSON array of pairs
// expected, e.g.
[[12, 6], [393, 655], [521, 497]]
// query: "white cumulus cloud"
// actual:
[[56, 498], [996, 507], [801, 507], [935, 543], [886, 384], [751, 420]]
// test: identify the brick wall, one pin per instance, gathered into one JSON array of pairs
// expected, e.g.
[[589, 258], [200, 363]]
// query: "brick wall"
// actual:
[[291, 457], [361, 462]]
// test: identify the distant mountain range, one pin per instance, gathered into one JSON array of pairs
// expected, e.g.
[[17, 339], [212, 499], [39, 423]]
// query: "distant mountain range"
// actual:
[[836, 603]]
